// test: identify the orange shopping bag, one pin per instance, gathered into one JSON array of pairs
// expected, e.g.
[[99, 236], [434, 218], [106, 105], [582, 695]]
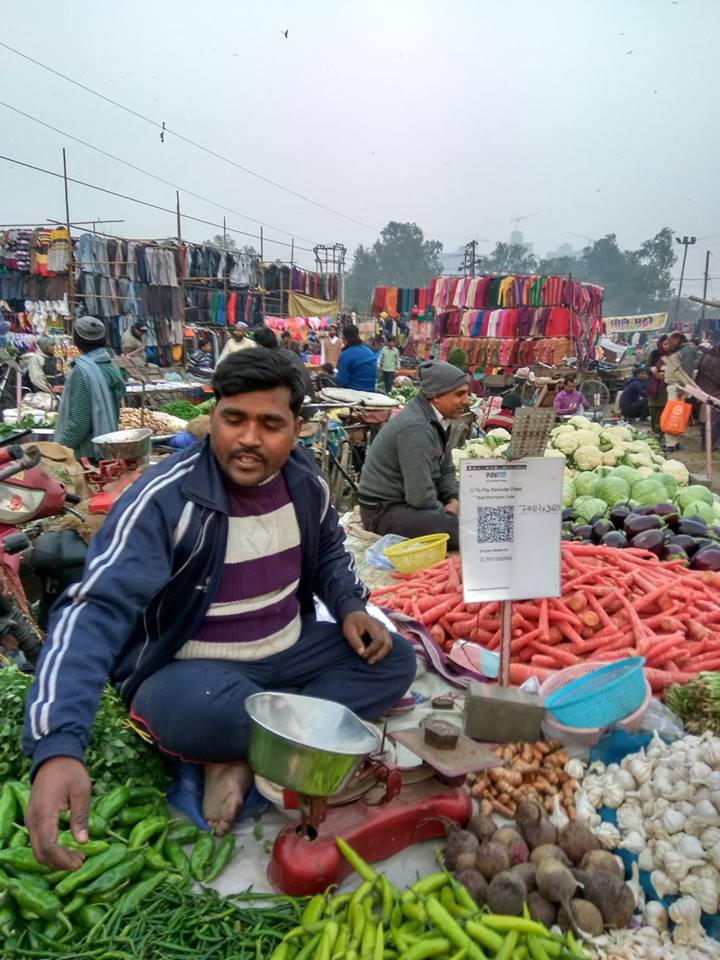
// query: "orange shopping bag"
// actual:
[[675, 417]]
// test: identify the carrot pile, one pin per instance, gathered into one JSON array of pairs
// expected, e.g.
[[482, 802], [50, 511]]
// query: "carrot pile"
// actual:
[[614, 604]]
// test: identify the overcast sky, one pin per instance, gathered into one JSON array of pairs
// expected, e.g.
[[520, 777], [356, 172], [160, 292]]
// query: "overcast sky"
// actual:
[[594, 116]]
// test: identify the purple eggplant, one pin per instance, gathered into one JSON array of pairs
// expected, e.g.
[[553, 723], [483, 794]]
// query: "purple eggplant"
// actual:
[[600, 528], [706, 559], [681, 541], [652, 540], [566, 535], [618, 515], [615, 538], [692, 526], [668, 511], [583, 531], [569, 514], [673, 552], [635, 524]]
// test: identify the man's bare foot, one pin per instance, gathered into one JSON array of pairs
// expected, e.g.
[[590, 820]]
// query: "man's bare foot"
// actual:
[[226, 785]]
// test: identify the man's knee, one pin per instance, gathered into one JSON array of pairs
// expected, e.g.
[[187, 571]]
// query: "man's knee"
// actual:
[[403, 660]]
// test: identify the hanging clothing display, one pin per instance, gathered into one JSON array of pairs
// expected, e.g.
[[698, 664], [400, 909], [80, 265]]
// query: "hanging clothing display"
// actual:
[[280, 280], [399, 301]]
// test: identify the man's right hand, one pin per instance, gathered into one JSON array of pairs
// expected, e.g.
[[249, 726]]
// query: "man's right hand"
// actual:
[[61, 783], [452, 506]]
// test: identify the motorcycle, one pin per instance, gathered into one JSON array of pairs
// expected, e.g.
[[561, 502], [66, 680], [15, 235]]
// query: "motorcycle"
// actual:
[[27, 493]]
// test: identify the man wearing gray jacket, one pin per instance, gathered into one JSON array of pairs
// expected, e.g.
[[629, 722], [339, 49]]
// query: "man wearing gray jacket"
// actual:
[[408, 485]]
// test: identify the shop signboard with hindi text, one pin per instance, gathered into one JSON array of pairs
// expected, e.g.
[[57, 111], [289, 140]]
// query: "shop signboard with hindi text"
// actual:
[[635, 324], [510, 526]]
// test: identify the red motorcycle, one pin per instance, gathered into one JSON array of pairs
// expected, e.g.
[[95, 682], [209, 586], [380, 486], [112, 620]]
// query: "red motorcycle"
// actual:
[[27, 493]]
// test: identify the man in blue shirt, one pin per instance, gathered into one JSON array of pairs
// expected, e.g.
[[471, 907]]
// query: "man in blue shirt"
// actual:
[[633, 399], [357, 366]]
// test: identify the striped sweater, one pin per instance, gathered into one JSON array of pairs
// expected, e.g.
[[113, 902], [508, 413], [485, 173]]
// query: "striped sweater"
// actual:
[[255, 612]]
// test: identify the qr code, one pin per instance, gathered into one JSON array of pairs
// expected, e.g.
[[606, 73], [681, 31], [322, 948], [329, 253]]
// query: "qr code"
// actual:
[[495, 524]]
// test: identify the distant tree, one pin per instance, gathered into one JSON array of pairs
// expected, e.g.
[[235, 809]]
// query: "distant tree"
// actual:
[[400, 257], [509, 258], [222, 241]]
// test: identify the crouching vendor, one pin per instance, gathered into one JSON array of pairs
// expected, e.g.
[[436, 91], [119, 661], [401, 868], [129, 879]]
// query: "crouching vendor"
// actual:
[[408, 484], [199, 591]]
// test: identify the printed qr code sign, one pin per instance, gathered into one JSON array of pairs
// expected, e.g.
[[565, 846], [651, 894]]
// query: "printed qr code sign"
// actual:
[[496, 524]]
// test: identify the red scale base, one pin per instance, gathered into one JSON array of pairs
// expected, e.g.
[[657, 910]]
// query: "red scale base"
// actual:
[[301, 867]]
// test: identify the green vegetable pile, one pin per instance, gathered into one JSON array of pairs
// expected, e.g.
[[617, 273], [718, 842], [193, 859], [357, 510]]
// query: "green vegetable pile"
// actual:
[[181, 409], [435, 917], [134, 849], [403, 393], [115, 752], [697, 702]]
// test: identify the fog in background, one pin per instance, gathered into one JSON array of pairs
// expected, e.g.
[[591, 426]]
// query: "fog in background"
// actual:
[[595, 117]]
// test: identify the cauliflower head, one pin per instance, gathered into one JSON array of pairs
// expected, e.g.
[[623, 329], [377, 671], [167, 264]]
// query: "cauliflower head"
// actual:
[[587, 438], [498, 435], [552, 452], [615, 434], [566, 442], [579, 422], [588, 457], [677, 470]]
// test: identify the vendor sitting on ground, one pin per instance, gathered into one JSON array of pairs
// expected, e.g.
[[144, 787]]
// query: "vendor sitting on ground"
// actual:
[[569, 400], [634, 399], [198, 591], [94, 390], [408, 484]]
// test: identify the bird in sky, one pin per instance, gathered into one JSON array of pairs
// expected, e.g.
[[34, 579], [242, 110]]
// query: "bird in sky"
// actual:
[[628, 53], [285, 33]]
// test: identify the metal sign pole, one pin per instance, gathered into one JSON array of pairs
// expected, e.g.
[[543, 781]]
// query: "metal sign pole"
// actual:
[[505, 643]]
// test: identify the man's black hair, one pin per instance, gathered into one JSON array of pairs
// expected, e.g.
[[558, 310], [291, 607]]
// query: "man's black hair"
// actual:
[[265, 337], [264, 370], [351, 332], [328, 368], [85, 346]]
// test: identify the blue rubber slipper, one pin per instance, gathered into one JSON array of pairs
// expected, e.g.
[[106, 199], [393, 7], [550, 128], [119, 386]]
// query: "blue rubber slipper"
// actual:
[[186, 795]]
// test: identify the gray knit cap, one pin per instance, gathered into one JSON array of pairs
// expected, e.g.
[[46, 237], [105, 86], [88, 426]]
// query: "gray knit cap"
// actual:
[[90, 328], [437, 377]]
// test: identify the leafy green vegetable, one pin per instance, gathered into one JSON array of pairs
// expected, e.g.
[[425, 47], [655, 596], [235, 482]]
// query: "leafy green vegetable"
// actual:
[[569, 494], [181, 409], [649, 491], [700, 508], [612, 489], [585, 483], [115, 752], [670, 484], [627, 473], [696, 491]]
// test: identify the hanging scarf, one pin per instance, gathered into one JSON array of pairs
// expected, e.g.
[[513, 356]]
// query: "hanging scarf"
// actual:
[[103, 412]]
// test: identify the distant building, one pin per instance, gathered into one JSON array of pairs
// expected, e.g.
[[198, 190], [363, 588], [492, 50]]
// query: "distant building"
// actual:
[[452, 263], [517, 238], [564, 250]]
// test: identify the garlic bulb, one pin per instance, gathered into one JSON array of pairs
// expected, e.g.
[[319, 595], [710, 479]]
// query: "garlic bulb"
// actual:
[[575, 769], [626, 780], [714, 855], [704, 891], [633, 841], [705, 810], [689, 847], [713, 782], [655, 915], [656, 747], [710, 837], [613, 794], [598, 767], [699, 773], [585, 811], [663, 885], [672, 821], [630, 817], [608, 835], [646, 861], [710, 752], [558, 818], [640, 769], [685, 912], [676, 866]]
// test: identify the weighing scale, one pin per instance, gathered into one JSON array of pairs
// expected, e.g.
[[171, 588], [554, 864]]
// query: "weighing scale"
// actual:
[[378, 808]]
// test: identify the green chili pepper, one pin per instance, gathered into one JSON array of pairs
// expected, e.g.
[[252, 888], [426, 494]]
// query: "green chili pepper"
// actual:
[[22, 794], [90, 915], [33, 878], [128, 868], [220, 858], [112, 803], [77, 901], [91, 849], [184, 832], [309, 949], [144, 794], [8, 918], [201, 855], [361, 868], [129, 816], [32, 898], [91, 868], [573, 946], [314, 910], [55, 877], [341, 944], [367, 944], [143, 831], [488, 938], [177, 856], [429, 884], [22, 859], [280, 952], [449, 928], [154, 859], [507, 949], [54, 929], [21, 838], [97, 825], [506, 924], [436, 947], [537, 951], [134, 897], [451, 905], [8, 807]]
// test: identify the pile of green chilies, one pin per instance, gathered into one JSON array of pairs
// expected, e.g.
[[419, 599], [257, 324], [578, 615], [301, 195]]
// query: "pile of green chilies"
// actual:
[[435, 918], [697, 702], [134, 849]]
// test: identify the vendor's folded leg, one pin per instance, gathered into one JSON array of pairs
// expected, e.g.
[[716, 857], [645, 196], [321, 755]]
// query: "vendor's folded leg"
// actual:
[[406, 521]]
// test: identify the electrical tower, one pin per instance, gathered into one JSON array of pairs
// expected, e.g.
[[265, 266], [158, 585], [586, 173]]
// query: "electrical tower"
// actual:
[[330, 258]]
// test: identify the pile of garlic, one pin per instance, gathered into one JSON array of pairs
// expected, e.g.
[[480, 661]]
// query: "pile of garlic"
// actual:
[[667, 799], [646, 943]]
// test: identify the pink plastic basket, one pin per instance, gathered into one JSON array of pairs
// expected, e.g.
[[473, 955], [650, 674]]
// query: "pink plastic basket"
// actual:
[[585, 735]]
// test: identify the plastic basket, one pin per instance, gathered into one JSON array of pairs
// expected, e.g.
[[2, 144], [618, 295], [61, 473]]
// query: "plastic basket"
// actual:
[[418, 553], [601, 697], [586, 735]]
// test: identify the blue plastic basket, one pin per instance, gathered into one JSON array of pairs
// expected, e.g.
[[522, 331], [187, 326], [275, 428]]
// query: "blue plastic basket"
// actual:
[[600, 698]]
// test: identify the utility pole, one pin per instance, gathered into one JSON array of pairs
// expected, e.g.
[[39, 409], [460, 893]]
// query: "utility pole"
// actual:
[[705, 283], [71, 263], [685, 242]]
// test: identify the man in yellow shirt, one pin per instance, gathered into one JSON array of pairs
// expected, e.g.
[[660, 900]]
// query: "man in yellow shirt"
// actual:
[[236, 341]]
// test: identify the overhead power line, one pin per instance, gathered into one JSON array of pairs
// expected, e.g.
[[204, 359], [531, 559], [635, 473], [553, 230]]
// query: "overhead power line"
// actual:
[[148, 173], [162, 127], [147, 203]]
